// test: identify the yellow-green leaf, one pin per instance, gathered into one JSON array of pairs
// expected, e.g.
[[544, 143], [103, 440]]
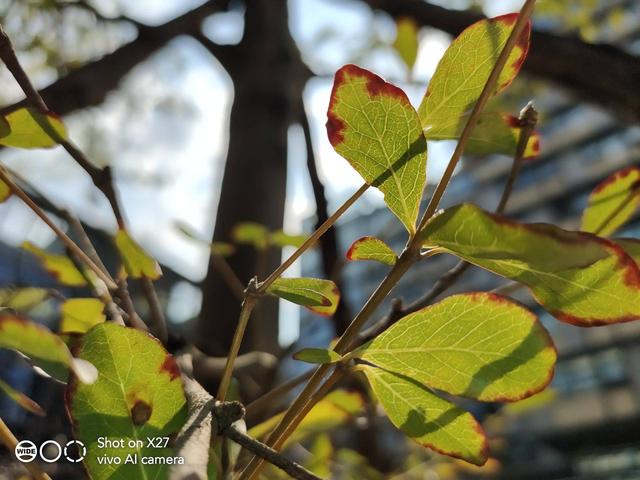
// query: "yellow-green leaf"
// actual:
[[60, 266], [372, 124], [371, 248], [138, 394], [21, 399], [464, 70], [283, 239], [428, 419], [43, 348], [317, 355], [332, 411], [5, 191], [251, 233], [496, 133], [578, 277], [406, 42], [222, 249], [80, 314], [137, 262], [22, 299], [30, 128], [318, 295], [478, 345], [612, 202]]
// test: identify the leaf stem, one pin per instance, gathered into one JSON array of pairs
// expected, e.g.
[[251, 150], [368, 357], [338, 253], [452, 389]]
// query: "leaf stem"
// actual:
[[309, 242], [64, 238], [248, 304], [487, 91], [8, 439]]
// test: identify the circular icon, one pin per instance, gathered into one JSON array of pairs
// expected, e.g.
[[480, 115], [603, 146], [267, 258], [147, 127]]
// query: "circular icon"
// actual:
[[26, 451], [81, 451], [56, 445]]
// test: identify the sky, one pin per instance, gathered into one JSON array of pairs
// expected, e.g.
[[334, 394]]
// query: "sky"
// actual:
[[167, 144]]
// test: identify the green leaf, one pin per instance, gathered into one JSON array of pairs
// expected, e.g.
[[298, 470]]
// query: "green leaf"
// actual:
[[371, 248], [251, 233], [317, 355], [5, 191], [372, 124], [406, 42], [319, 296], [428, 419], [138, 394], [337, 408], [22, 299], [80, 314], [631, 246], [30, 128], [222, 249], [44, 349], [282, 239], [21, 399], [613, 202], [60, 266], [496, 133], [477, 345], [137, 262], [464, 70], [578, 277]]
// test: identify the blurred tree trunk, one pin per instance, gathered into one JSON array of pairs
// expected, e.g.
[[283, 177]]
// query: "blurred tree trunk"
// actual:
[[254, 186]]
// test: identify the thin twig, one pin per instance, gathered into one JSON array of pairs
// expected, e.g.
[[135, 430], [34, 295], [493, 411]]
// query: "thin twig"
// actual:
[[228, 275], [8, 439], [70, 244], [269, 398], [226, 413], [158, 322]]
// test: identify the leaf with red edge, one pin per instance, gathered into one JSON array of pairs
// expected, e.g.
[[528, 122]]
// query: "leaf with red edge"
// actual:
[[463, 72], [138, 394], [21, 399], [318, 295], [371, 248], [372, 124], [477, 345], [578, 277], [613, 202], [497, 133], [60, 266], [426, 418]]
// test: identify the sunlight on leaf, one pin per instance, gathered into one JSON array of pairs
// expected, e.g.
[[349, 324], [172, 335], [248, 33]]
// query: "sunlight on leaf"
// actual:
[[407, 42], [283, 239], [251, 233], [30, 128], [318, 295], [80, 314], [428, 419], [60, 266], [137, 262], [317, 355], [36, 342], [22, 299], [21, 399], [578, 277], [372, 124], [463, 72], [477, 345], [613, 202], [332, 411], [138, 394], [371, 248]]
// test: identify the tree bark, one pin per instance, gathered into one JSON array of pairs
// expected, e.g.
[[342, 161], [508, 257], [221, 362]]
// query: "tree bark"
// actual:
[[266, 80]]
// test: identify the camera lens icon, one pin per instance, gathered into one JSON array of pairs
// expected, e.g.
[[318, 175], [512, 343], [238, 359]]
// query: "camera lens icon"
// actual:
[[26, 451]]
